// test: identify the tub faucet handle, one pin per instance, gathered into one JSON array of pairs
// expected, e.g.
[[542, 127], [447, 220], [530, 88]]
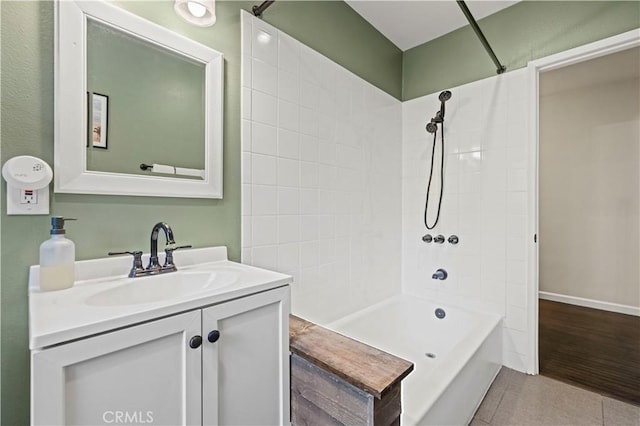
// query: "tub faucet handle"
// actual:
[[439, 239], [427, 238], [440, 274]]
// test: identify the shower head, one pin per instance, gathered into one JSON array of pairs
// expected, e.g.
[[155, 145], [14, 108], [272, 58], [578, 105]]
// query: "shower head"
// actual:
[[444, 96], [432, 126]]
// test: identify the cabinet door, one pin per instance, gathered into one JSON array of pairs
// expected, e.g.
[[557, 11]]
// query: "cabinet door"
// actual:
[[142, 374], [246, 371]]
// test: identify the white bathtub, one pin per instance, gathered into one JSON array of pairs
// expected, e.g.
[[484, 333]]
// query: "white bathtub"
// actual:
[[445, 389]]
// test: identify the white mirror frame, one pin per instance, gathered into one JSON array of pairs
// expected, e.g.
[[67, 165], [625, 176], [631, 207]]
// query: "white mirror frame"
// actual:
[[70, 138]]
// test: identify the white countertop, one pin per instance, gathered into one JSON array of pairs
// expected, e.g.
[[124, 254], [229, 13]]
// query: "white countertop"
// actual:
[[60, 316]]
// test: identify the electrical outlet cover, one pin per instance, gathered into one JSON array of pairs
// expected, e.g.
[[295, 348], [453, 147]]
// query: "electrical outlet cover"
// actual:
[[17, 202], [28, 181]]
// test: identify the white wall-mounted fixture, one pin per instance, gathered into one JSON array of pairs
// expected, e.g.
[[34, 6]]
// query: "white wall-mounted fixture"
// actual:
[[197, 12], [28, 181]]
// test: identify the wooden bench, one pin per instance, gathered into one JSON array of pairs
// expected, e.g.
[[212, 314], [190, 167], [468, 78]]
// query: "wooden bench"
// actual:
[[336, 380]]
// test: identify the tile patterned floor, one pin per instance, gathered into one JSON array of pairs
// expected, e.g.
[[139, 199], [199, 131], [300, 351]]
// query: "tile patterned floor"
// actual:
[[519, 399]]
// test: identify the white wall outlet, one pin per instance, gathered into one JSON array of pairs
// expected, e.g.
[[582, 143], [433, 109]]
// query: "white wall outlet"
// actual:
[[28, 196], [28, 181], [27, 201]]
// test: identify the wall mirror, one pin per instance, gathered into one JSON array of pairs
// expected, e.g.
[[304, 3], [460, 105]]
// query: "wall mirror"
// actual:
[[138, 108]]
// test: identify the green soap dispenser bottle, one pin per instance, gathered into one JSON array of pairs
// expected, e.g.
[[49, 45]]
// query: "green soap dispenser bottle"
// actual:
[[57, 258]]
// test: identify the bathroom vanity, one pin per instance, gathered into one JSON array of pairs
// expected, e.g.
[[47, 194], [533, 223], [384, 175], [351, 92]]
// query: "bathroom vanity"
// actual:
[[207, 344]]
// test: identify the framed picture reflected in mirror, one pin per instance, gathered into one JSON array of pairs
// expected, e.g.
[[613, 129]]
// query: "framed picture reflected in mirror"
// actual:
[[99, 120]]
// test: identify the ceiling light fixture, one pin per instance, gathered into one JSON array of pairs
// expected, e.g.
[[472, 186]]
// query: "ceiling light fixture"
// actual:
[[197, 12]]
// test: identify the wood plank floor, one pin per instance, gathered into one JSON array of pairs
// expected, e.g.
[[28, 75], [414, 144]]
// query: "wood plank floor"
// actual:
[[590, 348]]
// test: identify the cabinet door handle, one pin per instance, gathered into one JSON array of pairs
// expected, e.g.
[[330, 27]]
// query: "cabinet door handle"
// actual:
[[213, 336], [195, 342]]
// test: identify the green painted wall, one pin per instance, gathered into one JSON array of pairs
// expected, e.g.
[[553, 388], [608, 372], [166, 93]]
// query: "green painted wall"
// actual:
[[328, 27], [113, 222], [518, 34]]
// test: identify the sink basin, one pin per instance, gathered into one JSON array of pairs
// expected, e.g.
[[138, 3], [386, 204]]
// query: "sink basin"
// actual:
[[163, 287]]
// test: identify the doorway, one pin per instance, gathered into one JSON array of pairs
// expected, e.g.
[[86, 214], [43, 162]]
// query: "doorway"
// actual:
[[589, 224]]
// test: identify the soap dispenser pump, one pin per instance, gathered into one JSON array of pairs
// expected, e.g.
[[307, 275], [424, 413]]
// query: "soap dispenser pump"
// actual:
[[57, 258]]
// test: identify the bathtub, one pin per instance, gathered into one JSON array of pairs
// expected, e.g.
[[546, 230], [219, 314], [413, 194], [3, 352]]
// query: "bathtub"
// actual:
[[456, 358]]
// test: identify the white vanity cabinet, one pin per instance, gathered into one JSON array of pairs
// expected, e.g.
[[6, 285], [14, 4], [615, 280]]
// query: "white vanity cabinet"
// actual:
[[159, 373]]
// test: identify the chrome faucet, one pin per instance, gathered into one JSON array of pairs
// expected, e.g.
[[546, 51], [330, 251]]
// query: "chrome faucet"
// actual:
[[154, 264]]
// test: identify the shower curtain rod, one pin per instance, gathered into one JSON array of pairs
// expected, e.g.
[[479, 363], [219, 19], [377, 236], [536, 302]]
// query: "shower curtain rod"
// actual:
[[257, 10], [483, 40]]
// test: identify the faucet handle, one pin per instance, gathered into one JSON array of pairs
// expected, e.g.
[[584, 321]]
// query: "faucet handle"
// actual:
[[168, 260], [137, 255], [137, 269], [178, 247]]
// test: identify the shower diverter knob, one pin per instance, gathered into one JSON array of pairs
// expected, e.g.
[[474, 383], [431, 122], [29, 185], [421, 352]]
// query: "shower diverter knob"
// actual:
[[439, 239]]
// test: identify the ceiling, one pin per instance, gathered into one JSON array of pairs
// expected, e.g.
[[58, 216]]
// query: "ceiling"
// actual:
[[410, 23]]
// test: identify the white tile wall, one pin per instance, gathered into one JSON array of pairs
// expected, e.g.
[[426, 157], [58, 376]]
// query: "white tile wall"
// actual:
[[484, 203], [334, 174], [321, 174]]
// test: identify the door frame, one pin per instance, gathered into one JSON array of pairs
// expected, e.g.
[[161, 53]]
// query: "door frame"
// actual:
[[617, 43]]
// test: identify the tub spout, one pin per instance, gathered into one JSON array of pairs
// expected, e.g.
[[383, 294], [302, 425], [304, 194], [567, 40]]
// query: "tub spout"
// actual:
[[440, 274]]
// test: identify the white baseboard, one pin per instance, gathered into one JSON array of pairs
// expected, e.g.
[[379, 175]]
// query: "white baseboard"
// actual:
[[589, 303]]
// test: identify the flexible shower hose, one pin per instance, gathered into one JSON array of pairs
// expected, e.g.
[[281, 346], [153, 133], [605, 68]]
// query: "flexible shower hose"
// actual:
[[433, 155]]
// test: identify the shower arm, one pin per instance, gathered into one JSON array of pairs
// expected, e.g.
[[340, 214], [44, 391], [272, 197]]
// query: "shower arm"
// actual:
[[483, 39], [257, 10]]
